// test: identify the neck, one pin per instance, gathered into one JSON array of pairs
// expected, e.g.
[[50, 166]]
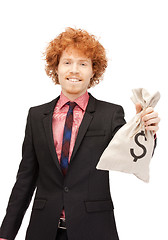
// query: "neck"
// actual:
[[71, 96]]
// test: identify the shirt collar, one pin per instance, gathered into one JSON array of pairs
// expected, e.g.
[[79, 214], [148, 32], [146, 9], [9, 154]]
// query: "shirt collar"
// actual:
[[81, 101]]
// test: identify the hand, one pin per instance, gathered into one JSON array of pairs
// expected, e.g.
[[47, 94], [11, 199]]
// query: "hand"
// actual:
[[149, 117]]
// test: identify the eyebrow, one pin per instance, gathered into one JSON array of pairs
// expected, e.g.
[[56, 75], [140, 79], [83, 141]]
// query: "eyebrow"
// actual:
[[80, 60]]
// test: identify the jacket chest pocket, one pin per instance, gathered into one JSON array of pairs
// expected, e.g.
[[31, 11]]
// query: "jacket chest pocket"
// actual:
[[94, 143], [95, 133]]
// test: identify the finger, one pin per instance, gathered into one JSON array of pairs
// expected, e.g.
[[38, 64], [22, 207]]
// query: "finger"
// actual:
[[148, 111], [153, 121], [149, 116], [152, 128], [138, 107]]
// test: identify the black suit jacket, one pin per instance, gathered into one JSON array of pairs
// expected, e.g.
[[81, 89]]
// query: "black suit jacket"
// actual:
[[84, 192]]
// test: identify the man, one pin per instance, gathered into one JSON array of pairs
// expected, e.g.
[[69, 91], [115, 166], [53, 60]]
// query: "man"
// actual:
[[64, 140]]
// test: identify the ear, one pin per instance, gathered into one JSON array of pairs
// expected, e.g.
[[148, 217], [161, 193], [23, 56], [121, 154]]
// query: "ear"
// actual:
[[92, 75]]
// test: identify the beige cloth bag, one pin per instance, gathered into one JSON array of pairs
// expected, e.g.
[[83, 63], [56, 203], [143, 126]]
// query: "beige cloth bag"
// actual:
[[131, 148]]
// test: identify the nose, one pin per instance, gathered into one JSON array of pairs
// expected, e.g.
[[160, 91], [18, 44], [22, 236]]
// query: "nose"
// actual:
[[74, 68]]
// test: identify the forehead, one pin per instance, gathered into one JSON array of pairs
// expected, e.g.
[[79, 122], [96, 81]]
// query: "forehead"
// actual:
[[74, 53]]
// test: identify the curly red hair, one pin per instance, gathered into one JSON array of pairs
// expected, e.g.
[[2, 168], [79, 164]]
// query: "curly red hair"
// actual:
[[83, 42]]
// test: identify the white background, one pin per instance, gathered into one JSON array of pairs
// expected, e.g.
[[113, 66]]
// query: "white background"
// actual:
[[135, 34]]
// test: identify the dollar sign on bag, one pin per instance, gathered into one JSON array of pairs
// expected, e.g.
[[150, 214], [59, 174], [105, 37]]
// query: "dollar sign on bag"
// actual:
[[142, 133]]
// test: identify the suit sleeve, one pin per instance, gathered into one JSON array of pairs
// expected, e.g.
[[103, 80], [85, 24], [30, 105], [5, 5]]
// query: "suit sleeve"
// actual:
[[23, 188], [117, 120]]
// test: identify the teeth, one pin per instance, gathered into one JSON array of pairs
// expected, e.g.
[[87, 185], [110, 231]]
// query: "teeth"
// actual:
[[73, 79]]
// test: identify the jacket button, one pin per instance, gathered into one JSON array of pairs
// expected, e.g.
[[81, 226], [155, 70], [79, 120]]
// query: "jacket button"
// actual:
[[66, 189]]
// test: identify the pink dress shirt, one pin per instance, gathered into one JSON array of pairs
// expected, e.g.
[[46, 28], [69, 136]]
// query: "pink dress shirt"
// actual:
[[59, 116], [58, 122]]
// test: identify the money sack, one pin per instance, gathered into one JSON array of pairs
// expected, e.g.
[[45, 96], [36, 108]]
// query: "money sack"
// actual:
[[132, 147]]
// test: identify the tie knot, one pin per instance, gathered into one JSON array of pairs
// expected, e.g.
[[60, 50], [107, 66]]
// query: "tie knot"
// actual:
[[71, 105]]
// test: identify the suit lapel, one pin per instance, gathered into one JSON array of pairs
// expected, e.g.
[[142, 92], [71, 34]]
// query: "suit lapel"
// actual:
[[47, 122], [84, 124]]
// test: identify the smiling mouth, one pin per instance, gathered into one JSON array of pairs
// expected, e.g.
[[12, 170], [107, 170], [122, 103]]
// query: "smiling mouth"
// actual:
[[73, 79]]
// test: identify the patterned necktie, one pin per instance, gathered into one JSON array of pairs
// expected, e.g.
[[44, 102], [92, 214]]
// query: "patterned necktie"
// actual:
[[67, 138]]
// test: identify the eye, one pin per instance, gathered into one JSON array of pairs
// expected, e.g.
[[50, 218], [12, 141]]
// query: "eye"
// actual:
[[66, 62], [83, 64]]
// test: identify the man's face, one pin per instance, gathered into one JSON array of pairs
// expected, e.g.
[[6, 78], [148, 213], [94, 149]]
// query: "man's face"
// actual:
[[74, 73]]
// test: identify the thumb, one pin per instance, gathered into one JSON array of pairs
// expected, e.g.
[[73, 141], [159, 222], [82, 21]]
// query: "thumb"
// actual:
[[138, 107]]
